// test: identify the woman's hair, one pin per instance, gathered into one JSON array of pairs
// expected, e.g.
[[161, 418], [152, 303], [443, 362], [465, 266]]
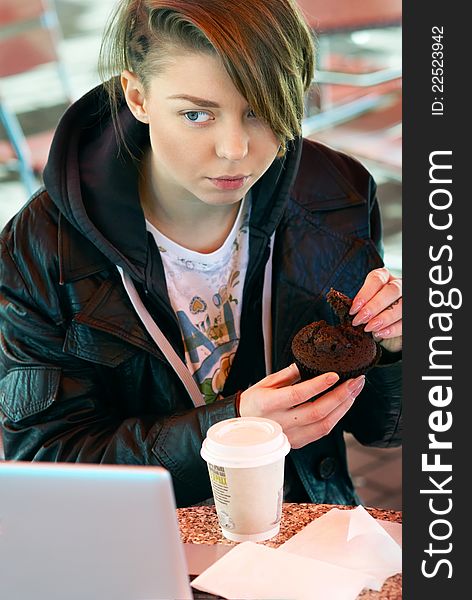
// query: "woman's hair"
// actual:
[[266, 48]]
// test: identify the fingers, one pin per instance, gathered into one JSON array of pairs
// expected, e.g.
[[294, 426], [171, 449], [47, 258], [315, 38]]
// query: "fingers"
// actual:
[[387, 323], [378, 305], [315, 420], [281, 378], [374, 281], [309, 433], [299, 393], [303, 422], [379, 291], [385, 326], [322, 407], [276, 394]]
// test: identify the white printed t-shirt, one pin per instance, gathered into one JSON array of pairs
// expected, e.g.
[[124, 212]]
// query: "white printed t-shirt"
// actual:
[[205, 291]]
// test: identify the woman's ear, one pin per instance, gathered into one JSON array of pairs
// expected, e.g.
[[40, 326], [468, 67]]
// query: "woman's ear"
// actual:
[[134, 95]]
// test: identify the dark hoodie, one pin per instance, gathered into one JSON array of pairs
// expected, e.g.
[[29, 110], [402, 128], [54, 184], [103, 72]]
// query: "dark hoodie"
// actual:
[[81, 380], [94, 184]]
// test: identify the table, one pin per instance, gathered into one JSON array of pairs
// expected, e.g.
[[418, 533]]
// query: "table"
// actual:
[[199, 525]]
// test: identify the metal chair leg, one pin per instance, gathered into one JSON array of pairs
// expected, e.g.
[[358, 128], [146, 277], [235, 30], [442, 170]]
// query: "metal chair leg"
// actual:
[[17, 139]]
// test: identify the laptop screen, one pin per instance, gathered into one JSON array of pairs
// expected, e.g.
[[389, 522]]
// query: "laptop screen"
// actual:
[[81, 532]]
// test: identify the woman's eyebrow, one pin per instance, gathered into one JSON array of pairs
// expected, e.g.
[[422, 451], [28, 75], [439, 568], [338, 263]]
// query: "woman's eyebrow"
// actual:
[[194, 100]]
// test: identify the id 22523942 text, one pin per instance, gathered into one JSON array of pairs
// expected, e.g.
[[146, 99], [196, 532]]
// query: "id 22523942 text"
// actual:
[[437, 70]]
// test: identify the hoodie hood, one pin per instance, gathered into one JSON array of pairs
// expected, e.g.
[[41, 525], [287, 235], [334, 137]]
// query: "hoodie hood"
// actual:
[[93, 181]]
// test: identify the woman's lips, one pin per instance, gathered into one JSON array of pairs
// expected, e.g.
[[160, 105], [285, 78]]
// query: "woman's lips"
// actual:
[[229, 183]]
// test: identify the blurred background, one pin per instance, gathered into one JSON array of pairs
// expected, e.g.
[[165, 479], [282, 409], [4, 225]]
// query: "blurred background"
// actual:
[[48, 57]]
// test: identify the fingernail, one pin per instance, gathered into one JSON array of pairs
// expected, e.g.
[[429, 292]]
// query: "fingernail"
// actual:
[[331, 378], [384, 332], [355, 306], [294, 367], [374, 326], [354, 393], [362, 317], [356, 384]]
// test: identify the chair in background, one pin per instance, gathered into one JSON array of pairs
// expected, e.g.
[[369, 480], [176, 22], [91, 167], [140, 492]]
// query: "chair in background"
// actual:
[[29, 37], [346, 15], [357, 99]]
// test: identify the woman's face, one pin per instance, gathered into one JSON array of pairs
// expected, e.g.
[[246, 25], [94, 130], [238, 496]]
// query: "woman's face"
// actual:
[[207, 145]]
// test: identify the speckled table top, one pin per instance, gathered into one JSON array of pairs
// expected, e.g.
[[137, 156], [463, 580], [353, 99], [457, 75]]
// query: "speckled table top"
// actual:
[[199, 525]]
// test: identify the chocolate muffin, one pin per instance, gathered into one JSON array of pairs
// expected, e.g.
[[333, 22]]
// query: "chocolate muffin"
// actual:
[[349, 351]]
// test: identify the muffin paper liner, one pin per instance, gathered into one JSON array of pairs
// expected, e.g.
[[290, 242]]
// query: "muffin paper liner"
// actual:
[[308, 373]]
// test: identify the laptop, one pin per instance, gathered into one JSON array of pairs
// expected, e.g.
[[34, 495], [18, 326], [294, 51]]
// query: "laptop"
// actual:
[[89, 532]]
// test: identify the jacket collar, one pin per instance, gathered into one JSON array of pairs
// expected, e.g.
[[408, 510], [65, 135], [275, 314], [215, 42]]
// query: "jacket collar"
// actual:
[[270, 194], [326, 176], [78, 257], [93, 182], [294, 175]]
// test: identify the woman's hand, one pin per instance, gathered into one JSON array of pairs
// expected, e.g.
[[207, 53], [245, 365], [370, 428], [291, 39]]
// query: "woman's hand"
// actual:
[[378, 305], [279, 397]]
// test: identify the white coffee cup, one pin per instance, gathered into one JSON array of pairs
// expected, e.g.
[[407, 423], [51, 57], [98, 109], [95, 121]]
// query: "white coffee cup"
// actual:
[[245, 458]]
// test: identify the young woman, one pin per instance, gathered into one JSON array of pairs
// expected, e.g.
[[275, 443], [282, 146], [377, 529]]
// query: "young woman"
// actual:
[[185, 233]]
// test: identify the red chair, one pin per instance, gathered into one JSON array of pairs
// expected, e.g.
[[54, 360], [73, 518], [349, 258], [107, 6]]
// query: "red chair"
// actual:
[[345, 15], [29, 37]]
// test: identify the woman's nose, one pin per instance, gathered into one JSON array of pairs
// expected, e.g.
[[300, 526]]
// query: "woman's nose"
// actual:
[[232, 143]]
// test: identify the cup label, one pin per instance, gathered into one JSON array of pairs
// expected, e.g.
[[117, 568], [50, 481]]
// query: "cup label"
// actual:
[[219, 484]]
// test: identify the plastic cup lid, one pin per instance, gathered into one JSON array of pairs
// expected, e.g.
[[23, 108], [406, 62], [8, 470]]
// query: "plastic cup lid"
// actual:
[[245, 442]]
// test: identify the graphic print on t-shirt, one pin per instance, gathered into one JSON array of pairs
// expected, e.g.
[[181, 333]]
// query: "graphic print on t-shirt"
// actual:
[[205, 291], [210, 336]]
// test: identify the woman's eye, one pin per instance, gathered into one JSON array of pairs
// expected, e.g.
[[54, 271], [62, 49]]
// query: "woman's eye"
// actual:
[[251, 114], [197, 116]]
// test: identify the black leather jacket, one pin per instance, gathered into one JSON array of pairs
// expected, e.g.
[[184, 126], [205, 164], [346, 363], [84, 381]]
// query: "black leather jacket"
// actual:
[[81, 379]]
